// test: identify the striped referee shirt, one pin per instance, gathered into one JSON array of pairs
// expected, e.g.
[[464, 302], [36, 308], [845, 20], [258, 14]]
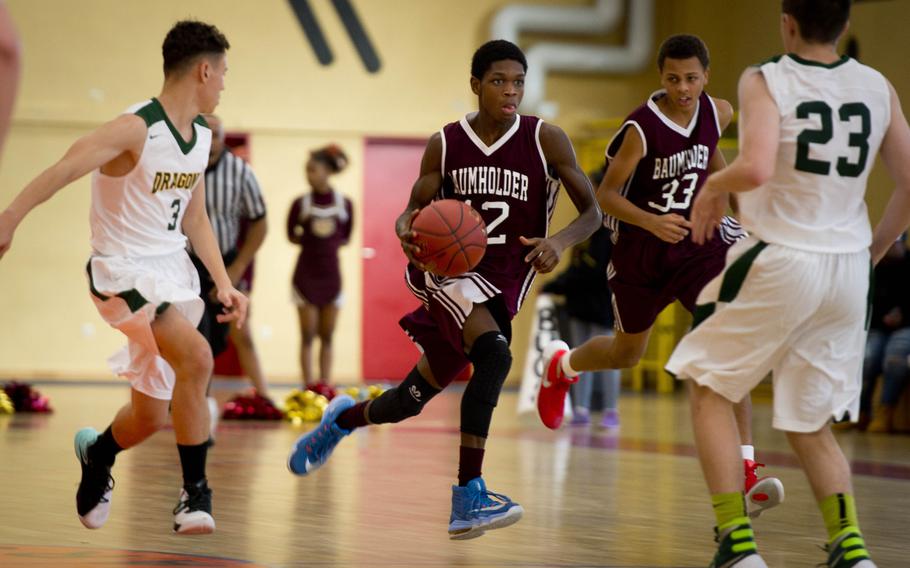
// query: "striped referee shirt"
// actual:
[[231, 195]]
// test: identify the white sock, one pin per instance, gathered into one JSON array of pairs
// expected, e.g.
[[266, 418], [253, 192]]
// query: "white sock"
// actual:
[[748, 452], [566, 367]]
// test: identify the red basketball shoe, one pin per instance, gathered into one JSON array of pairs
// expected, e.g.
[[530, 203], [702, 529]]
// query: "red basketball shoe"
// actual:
[[761, 492], [554, 385]]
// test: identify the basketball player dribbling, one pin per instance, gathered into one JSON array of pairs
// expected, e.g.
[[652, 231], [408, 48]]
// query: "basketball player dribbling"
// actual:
[[658, 161], [508, 168], [148, 197]]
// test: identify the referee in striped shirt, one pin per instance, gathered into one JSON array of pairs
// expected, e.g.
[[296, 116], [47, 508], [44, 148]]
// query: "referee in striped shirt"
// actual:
[[232, 197]]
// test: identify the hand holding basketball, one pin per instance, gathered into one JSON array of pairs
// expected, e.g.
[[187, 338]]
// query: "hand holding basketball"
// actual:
[[449, 236], [407, 236], [544, 256]]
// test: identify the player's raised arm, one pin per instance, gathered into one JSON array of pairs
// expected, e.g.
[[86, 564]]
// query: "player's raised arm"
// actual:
[[895, 152], [121, 138], [423, 192], [756, 162], [560, 156]]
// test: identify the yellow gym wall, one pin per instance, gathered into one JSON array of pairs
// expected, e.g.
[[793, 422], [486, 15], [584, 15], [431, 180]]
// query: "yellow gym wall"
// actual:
[[86, 61]]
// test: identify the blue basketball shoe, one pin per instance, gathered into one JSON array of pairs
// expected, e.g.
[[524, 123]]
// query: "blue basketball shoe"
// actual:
[[313, 449], [476, 510]]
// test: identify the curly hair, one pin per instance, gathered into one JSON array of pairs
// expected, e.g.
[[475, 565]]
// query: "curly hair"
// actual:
[[493, 51], [682, 46], [189, 39]]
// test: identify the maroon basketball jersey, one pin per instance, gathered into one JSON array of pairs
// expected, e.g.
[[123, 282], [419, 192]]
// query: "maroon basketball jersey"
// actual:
[[509, 184], [675, 161]]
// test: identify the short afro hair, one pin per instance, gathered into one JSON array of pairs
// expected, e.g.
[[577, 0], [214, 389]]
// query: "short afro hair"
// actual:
[[189, 39], [682, 46], [493, 51], [820, 21]]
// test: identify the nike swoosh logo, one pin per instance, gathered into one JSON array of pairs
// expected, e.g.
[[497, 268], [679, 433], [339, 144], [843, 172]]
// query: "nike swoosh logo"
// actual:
[[154, 136], [494, 507]]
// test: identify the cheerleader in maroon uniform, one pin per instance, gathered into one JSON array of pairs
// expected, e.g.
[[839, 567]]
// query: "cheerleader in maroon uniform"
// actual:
[[320, 221]]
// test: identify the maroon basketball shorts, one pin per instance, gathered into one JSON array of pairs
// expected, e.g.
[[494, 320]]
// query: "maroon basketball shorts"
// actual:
[[646, 275], [437, 327]]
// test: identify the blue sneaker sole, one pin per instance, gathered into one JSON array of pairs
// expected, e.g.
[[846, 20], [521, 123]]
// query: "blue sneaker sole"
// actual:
[[509, 518]]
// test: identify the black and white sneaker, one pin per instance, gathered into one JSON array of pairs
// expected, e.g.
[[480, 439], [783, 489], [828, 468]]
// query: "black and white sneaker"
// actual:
[[193, 513], [93, 498]]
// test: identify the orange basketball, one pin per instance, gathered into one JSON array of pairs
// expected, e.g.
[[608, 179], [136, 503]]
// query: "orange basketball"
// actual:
[[451, 235]]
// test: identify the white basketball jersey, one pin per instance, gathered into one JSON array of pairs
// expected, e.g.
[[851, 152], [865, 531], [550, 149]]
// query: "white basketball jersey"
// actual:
[[140, 214], [832, 121]]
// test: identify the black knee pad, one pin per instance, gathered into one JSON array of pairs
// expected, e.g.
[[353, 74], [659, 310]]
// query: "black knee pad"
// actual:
[[402, 402], [492, 360]]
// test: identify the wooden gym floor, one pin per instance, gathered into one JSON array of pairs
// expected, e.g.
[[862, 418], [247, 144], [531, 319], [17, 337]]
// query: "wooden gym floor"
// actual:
[[592, 498]]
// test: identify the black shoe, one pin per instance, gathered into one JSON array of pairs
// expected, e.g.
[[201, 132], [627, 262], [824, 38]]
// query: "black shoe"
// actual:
[[93, 498], [193, 513]]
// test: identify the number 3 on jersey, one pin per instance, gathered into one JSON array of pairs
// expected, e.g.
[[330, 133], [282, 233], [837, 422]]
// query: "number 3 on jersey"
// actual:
[[175, 205], [503, 208]]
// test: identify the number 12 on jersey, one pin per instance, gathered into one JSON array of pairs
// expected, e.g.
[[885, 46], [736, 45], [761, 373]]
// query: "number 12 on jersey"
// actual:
[[503, 208]]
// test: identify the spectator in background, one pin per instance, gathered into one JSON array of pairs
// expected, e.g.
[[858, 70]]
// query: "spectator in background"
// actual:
[[232, 197], [320, 222], [888, 344], [588, 303], [10, 61]]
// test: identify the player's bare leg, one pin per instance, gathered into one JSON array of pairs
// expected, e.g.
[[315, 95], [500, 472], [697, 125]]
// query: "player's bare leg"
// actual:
[[828, 472], [717, 441], [139, 419], [476, 510], [620, 351], [188, 353], [307, 315], [328, 315]]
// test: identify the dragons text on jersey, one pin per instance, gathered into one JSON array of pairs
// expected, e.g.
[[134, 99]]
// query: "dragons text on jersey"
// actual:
[[173, 180]]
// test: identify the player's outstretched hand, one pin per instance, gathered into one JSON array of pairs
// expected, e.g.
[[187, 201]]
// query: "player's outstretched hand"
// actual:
[[707, 212], [544, 256], [234, 304], [407, 236], [671, 228]]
